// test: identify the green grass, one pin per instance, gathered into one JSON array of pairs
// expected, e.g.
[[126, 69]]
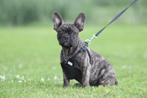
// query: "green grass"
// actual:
[[29, 63]]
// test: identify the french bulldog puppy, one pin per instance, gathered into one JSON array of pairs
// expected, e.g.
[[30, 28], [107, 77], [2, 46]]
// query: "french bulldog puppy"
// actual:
[[78, 61]]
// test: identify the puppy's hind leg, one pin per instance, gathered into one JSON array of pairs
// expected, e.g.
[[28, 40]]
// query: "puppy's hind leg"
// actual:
[[108, 79]]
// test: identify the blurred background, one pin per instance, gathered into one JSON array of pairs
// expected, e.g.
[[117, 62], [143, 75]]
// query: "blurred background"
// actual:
[[23, 12], [30, 53]]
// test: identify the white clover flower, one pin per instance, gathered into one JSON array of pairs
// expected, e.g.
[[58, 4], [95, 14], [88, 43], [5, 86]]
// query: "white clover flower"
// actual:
[[55, 77], [18, 76], [2, 77], [42, 79], [20, 79]]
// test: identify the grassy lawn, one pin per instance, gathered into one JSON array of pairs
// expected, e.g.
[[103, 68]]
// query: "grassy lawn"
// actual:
[[29, 63]]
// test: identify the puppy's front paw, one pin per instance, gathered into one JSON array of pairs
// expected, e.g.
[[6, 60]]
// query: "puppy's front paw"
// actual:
[[86, 84], [65, 86]]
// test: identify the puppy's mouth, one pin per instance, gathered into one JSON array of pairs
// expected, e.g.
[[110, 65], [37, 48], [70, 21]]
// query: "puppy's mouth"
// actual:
[[65, 44]]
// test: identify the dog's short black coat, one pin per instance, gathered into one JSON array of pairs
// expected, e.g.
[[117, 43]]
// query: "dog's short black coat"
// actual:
[[87, 67]]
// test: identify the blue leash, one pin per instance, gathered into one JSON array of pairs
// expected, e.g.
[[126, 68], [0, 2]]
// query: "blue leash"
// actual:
[[115, 18]]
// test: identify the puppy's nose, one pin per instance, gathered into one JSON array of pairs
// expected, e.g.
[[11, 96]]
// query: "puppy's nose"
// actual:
[[65, 38]]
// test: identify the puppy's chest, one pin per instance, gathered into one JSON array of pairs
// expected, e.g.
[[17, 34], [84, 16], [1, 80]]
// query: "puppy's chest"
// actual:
[[72, 69], [73, 63]]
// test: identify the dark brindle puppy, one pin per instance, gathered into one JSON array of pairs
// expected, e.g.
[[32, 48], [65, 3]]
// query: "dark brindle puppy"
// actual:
[[79, 62]]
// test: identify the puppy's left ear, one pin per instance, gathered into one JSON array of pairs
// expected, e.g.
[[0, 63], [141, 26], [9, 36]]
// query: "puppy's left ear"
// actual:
[[79, 22]]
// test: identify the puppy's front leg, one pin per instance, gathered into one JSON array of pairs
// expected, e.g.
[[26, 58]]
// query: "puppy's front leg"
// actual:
[[66, 80], [86, 74]]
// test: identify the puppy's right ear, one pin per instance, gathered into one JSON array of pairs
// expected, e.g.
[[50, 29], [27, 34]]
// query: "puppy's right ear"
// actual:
[[57, 20]]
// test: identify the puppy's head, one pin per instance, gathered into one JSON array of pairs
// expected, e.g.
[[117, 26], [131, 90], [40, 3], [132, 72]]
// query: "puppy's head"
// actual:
[[67, 34]]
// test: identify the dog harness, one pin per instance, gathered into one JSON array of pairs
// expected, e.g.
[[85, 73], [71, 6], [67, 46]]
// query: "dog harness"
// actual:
[[66, 60]]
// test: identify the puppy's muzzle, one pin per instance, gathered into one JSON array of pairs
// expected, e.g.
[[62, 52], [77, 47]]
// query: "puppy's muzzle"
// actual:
[[65, 42]]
